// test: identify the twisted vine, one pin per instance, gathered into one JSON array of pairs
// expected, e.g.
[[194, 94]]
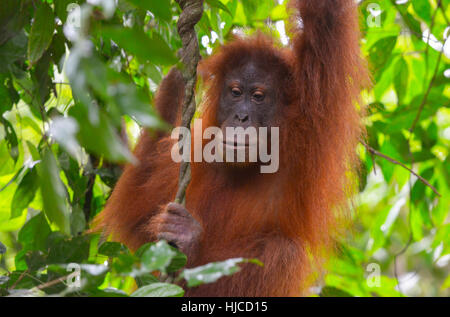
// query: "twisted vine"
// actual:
[[192, 11]]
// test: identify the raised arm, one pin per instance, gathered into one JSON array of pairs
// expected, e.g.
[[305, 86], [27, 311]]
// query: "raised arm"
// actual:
[[329, 65]]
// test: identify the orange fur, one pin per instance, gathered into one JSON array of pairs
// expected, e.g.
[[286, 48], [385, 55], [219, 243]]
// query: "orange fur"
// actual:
[[284, 219]]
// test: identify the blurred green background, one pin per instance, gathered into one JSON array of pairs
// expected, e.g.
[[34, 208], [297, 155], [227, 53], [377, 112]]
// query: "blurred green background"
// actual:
[[77, 81]]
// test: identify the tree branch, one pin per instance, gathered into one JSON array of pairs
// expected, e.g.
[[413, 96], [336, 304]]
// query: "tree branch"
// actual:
[[390, 159]]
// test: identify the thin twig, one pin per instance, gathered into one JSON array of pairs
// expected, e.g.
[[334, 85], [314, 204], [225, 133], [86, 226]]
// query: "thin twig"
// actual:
[[19, 279], [411, 237], [51, 283], [428, 40], [443, 12], [390, 159], [425, 97], [403, 250]]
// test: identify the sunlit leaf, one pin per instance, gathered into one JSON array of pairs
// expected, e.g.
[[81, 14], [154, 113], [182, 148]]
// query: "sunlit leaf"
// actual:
[[11, 138], [64, 130], [333, 292], [380, 53], [33, 235], [106, 141], [159, 8], [144, 47], [218, 4], [159, 290], [423, 9], [211, 272], [401, 79], [24, 193], [157, 256], [53, 192]]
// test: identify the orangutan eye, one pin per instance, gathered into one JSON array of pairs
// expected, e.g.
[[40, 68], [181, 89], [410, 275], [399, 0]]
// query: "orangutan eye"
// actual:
[[236, 92], [258, 96]]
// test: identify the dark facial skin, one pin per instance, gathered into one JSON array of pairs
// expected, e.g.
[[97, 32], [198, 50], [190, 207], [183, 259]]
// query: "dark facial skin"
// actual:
[[247, 98]]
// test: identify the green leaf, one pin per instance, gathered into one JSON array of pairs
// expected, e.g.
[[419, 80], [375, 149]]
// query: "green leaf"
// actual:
[[33, 235], [132, 101], [13, 15], [159, 290], [418, 190], [107, 292], [35, 260], [401, 79], [279, 13], [42, 80], [387, 167], [429, 137], [380, 53], [61, 8], [144, 47], [13, 50], [250, 7], [53, 192], [218, 4], [157, 256], [67, 250], [64, 130], [106, 141], [124, 264], [33, 151], [153, 72], [211, 272], [423, 9], [416, 223], [410, 21], [11, 139], [5, 98], [329, 291], [446, 283], [178, 261], [159, 8], [112, 249], [41, 32], [22, 281], [146, 279], [25, 193], [58, 49], [77, 220]]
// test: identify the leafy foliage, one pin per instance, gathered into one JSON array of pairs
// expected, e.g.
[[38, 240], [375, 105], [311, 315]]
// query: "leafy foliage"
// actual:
[[77, 81]]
